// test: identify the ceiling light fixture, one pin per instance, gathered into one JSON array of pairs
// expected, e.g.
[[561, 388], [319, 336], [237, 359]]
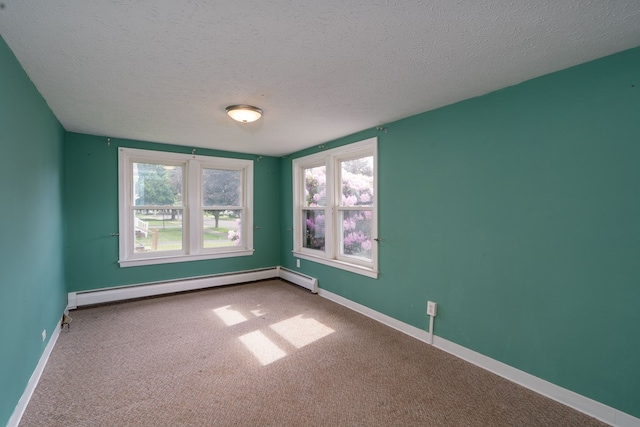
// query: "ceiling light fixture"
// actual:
[[244, 113]]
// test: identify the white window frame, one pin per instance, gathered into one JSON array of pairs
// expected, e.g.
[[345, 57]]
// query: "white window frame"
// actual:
[[333, 239], [192, 225]]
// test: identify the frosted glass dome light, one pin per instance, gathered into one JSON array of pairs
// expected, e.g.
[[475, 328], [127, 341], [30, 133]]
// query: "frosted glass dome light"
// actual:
[[244, 113]]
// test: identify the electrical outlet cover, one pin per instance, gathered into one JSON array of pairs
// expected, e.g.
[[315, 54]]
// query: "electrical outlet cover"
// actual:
[[432, 308]]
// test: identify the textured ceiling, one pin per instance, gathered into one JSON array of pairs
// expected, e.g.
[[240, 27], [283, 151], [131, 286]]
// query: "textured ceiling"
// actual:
[[164, 71]]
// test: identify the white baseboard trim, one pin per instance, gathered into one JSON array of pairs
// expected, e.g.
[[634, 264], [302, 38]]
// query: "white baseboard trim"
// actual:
[[98, 296], [18, 411], [569, 398]]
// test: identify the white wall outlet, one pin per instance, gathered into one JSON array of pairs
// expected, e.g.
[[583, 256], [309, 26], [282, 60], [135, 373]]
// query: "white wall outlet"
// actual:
[[44, 335], [298, 262], [432, 308]]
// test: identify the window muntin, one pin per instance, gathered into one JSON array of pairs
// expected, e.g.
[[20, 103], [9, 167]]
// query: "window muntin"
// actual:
[[177, 207], [335, 215]]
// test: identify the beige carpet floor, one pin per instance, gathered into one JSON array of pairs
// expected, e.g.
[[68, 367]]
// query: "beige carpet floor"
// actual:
[[266, 354]]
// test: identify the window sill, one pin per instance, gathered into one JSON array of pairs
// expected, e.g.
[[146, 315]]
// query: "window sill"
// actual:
[[353, 268], [135, 262]]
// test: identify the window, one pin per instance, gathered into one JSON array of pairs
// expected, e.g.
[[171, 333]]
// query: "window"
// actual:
[[180, 207], [335, 214]]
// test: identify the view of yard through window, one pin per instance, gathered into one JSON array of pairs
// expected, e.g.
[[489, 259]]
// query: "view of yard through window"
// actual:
[[168, 229], [158, 207]]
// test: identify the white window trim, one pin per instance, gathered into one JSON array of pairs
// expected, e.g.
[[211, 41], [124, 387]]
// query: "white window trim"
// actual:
[[330, 256], [192, 207]]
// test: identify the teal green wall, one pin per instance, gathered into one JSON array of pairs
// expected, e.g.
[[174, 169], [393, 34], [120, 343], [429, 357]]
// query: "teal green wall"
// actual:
[[518, 212], [91, 213], [32, 289]]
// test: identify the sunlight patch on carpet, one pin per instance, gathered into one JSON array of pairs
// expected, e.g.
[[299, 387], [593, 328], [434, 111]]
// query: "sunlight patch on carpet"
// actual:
[[262, 347], [300, 331], [229, 316], [258, 312]]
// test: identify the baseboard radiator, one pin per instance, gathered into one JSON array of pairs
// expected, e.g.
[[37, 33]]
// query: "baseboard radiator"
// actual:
[[299, 279], [100, 296]]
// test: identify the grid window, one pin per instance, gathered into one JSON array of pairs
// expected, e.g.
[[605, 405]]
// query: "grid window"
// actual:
[[335, 215], [177, 207]]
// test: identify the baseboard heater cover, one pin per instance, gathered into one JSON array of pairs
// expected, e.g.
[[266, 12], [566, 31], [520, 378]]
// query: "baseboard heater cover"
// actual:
[[99, 296], [299, 279]]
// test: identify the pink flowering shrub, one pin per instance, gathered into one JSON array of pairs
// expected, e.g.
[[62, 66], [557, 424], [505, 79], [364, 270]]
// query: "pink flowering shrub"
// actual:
[[236, 235], [315, 195], [357, 190]]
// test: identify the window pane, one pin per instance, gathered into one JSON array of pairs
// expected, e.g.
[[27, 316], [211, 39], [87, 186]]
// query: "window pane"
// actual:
[[221, 187], [315, 186], [221, 228], [357, 182], [157, 185], [313, 229], [356, 233], [158, 230]]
